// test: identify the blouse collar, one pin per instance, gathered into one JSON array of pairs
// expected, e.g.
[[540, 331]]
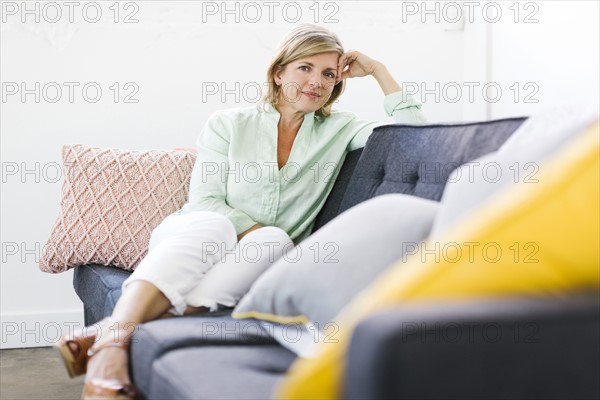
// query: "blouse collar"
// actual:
[[272, 113]]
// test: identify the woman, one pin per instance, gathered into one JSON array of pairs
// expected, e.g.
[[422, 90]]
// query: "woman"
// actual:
[[262, 175]]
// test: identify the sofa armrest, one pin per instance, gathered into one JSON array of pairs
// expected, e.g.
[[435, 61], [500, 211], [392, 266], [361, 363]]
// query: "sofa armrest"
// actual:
[[513, 348], [99, 288]]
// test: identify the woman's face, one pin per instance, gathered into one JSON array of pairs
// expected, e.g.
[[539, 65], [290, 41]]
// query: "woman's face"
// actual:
[[307, 83]]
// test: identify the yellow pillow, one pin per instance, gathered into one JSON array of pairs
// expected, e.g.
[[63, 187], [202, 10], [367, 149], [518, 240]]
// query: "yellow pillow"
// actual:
[[547, 234]]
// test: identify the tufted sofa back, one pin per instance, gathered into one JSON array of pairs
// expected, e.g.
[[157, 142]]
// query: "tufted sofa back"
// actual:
[[415, 160]]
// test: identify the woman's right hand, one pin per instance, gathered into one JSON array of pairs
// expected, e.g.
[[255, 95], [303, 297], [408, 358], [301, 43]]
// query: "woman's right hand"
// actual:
[[358, 64]]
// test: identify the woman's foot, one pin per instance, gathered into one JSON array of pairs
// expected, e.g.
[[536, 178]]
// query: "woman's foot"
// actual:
[[108, 367], [74, 347]]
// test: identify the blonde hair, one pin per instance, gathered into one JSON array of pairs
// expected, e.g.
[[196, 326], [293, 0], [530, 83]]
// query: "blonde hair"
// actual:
[[305, 40]]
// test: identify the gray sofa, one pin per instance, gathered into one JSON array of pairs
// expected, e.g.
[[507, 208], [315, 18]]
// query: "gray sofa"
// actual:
[[213, 356]]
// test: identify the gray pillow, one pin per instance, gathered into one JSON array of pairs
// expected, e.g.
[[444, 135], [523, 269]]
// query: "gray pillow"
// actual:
[[314, 281], [518, 160]]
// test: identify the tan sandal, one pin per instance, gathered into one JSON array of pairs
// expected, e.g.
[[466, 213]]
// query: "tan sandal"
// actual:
[[109, 388], [74, 349]]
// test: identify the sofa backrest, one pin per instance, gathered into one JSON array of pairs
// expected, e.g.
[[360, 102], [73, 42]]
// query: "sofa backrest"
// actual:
[[415, 160], [331, 208]]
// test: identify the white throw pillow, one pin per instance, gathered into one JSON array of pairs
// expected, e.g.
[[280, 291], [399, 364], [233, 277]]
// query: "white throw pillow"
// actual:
[[312, 283], [517, 161]]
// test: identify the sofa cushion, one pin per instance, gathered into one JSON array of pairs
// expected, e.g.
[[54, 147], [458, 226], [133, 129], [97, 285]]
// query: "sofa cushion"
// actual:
[[323, 273], [417, 160], [153, 339], [219, 372]]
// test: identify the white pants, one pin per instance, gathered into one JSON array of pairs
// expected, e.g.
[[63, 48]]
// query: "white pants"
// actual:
[[194, 259]]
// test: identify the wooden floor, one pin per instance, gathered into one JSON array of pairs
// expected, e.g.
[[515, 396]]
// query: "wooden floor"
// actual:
[[36, 373]]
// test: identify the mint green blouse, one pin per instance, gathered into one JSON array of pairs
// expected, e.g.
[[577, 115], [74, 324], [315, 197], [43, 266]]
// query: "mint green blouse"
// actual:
[[236, 173]]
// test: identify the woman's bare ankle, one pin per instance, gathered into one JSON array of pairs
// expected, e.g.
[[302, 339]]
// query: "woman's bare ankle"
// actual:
[[115, 331], [189, 310]]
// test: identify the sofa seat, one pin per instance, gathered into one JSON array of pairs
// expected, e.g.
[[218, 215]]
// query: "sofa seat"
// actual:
[[230, 372], [172, 352]]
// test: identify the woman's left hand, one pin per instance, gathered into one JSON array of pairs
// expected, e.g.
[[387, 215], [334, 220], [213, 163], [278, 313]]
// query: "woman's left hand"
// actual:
[[358, 65]]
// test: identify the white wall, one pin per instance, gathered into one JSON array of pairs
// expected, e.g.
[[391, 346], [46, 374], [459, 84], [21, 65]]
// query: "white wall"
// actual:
[[170, 55], [553, 61]]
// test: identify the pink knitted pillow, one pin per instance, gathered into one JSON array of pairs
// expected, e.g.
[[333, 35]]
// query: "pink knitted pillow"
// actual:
[[111, 201]]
